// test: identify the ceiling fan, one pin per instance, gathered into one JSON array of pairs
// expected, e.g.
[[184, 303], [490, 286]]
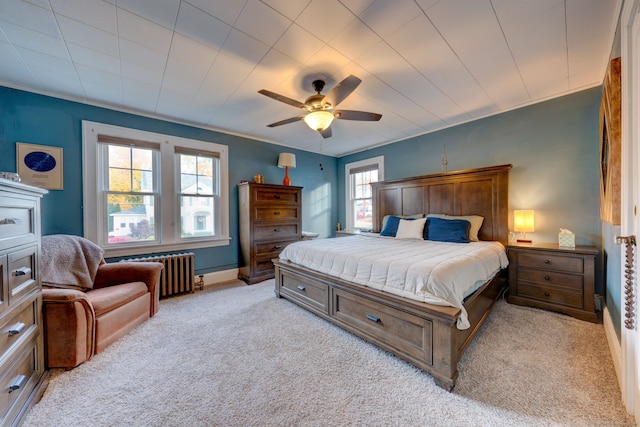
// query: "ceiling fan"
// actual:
[[321, 108]]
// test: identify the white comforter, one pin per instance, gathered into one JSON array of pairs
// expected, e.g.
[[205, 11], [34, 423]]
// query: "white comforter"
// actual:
[[433, 272]]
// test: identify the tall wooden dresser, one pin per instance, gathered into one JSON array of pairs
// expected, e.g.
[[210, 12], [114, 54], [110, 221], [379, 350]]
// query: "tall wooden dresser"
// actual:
[[270, 218], [23, 377]]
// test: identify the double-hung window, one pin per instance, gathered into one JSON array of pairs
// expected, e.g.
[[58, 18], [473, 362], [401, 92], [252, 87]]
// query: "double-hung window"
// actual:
[[146, 192], [358, 178]]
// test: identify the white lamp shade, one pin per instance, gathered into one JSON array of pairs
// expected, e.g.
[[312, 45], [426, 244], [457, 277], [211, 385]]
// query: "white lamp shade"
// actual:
[[287, 160], [523, 221], [318, 120]]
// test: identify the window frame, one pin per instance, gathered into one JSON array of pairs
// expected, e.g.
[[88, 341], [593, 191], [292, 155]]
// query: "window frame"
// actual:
[[378, 162], [167, 219]]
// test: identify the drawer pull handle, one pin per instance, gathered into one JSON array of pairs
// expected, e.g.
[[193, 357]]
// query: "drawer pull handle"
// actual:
[[276, 213], [277, 230], [301, 288], [547, 278], [18, 383], [373, 318], [547, 294], [16, 329], [24, 271], [10, 221], [277, 247], [546, 261], [276, 196]]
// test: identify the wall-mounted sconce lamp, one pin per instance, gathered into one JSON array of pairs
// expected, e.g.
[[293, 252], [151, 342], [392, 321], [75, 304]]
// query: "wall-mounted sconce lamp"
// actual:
[[286, 161], [523, 223]]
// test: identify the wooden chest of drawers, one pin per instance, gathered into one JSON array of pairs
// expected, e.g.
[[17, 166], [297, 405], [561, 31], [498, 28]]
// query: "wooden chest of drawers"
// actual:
[[22, 374], [270, 218], [559, 279]]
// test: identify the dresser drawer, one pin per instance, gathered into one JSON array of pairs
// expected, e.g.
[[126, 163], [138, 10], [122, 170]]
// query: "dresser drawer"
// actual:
[[22, 322], [274, 196], [549, 261], [305, 292], [16, 224], [276, 213], [22, 273], [276, 231], [272, 249], [551, 278], [19, 379], [407, 333], [551, 295]]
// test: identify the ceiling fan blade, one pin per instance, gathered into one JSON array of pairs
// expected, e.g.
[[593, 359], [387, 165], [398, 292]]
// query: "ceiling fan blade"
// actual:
[[282, 98], [357, 115], [285, 121], [340, 91], [326, 133]]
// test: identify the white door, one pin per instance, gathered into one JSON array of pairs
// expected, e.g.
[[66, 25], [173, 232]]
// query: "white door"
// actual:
[[630, 221]]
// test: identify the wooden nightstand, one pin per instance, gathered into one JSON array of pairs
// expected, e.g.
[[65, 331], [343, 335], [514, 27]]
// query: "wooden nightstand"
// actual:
[[547, 276]]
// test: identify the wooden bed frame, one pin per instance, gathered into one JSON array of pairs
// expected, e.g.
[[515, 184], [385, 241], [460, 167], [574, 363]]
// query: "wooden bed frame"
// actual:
[[423, 334]]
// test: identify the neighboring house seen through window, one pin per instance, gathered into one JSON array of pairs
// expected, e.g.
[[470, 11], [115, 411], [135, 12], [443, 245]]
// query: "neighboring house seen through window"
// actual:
[[146, 192]]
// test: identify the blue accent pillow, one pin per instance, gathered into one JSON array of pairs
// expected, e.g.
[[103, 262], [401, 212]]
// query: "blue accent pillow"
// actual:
[[448, 230], [391, 227]]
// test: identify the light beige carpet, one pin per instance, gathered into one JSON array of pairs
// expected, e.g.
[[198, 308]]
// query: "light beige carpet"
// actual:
[[239, 356]]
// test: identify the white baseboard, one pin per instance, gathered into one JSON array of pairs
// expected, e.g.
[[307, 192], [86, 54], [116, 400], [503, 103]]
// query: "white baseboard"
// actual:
[[216, 277], [614, 343]]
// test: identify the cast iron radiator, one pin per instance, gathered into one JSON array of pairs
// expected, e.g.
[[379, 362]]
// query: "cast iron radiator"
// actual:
[[177, 276]]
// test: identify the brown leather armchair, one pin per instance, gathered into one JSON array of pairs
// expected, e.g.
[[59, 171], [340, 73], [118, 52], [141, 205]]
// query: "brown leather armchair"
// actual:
[[80, 322]]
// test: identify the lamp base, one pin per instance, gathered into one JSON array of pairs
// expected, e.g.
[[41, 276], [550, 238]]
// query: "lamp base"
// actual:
[[286, 181]]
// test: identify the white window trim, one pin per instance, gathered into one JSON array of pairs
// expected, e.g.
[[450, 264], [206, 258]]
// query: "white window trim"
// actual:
[[170, 233], [379, 161]]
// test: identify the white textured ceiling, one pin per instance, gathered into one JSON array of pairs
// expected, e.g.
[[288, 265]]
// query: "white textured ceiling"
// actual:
[[425, 64]]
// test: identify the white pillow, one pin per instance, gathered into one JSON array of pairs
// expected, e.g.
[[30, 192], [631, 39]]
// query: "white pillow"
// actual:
[[411, 228], [475, 221], [386, 217]]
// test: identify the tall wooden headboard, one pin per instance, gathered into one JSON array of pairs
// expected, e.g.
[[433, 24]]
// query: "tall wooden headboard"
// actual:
[[482, 191]]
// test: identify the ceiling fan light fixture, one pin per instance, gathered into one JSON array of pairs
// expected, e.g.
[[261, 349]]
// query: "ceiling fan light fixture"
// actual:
[[319, 120]]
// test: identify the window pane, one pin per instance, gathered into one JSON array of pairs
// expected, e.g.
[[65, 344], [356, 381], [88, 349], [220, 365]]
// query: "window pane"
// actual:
[[142, 159], [205, 185], [363, 214], [119, 179], [130, 218], [119, 156], [188, 184], [196, 216], [205, 166], [196, 174], [188, 164]]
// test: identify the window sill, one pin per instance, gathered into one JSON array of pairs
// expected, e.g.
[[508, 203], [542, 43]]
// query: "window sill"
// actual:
[[167, 247]]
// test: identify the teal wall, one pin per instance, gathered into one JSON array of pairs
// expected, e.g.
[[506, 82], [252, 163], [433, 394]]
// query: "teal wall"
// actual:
[[37, 119], [553, 147], [612, 254]]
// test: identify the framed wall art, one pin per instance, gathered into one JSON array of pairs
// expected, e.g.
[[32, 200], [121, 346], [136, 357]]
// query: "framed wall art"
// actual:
[[40, 165], [610, 146]]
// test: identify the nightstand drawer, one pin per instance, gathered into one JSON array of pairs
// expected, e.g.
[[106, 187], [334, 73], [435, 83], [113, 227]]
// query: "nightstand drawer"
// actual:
[[549, 261], [551, 278], [551, 295]]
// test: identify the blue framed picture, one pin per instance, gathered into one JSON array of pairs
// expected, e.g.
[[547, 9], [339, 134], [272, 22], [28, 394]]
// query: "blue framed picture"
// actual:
[[40, 165]]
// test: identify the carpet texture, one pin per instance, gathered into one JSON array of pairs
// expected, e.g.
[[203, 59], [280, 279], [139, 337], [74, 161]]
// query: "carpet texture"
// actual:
[[218, 358]]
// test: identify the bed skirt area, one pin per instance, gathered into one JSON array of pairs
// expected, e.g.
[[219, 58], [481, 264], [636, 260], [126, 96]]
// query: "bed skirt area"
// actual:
[[424, 335]]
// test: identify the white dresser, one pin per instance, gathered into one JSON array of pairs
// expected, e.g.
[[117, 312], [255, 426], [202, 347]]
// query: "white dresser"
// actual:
[[23, 377]]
